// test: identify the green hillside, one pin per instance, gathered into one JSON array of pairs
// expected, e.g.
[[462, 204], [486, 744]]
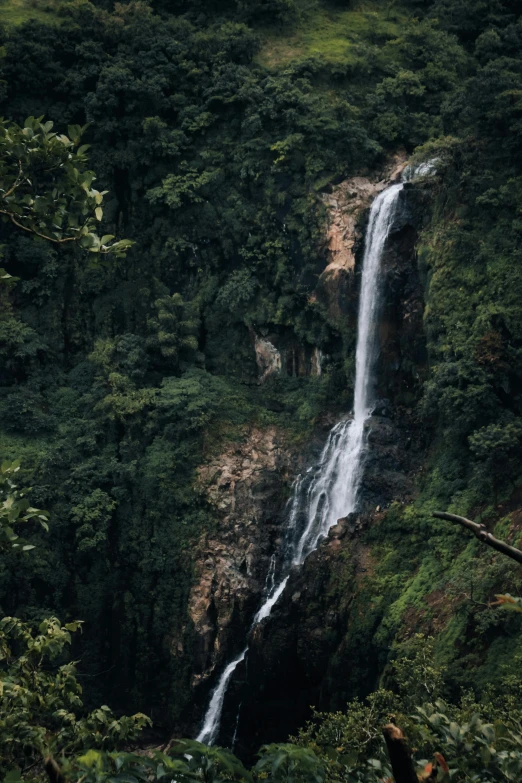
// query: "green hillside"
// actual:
[[217, 134]]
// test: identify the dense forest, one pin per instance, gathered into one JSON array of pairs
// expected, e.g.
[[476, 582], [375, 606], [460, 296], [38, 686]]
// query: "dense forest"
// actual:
[[215, 134]]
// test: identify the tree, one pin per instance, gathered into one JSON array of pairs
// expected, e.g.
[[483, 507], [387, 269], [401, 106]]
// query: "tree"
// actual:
[[289, 764], [497, 448], [468, 740], [46, 190], [174, 330], [41, 703], [40, 696], [268, 11]]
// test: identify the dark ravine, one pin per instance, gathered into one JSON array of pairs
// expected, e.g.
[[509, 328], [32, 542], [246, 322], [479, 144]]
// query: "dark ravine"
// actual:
[[304, 654], [298, 656]]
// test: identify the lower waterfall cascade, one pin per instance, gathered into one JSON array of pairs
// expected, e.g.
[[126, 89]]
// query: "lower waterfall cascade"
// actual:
[[328, 491]]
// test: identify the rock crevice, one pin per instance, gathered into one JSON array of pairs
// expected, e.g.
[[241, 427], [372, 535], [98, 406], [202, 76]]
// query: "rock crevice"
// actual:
[[245, 486]]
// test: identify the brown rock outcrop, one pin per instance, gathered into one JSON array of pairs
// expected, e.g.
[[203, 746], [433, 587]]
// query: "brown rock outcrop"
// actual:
[[245, 485], [346, 204], [282, 354], [268, 358]]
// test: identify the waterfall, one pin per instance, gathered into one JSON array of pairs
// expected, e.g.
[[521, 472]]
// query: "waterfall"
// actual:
[[328, 491], [212, 720]]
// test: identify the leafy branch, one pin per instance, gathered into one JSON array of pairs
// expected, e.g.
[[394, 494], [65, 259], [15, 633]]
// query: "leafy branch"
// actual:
[[15, 508], [46, 190]]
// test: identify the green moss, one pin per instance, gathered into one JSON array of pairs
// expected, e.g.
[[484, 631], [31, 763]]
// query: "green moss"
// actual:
[[450, 640]]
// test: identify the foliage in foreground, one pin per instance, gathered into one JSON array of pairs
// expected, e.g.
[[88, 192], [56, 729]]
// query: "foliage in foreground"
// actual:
[[41, 699], [15, 508], [43, 727], [42, 718], [45, 188], [462, 740], [41, 708]]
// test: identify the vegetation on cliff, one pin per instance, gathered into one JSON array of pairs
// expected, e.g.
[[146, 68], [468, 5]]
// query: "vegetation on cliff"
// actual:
[[214, 127]]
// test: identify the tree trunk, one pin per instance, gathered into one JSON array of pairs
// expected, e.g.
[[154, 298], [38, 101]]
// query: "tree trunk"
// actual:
[[400, 755]]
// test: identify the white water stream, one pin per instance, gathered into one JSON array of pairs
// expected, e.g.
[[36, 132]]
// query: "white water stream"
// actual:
[[328, 491]]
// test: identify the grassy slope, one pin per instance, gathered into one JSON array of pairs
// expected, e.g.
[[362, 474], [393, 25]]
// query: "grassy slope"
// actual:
[[16, 12], [323, 31], [333, 35]]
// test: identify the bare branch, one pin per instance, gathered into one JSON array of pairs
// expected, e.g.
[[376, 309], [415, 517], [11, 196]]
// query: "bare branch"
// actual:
[[482, 534]]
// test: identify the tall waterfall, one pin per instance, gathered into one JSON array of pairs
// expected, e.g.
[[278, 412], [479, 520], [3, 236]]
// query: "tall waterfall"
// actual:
[[328, 491]]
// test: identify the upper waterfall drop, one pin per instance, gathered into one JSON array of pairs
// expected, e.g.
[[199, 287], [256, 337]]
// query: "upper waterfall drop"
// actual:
[[381, 217], [328, 491], [332, 493]]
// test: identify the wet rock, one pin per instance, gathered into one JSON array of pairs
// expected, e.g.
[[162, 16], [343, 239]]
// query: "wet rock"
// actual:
[[303, 653], [246, 486], [337, 531], [347, 204], [382, 408]]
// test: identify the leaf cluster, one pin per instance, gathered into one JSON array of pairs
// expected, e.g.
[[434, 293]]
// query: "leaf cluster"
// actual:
[[15, 509], [45, 188], [40, 699]]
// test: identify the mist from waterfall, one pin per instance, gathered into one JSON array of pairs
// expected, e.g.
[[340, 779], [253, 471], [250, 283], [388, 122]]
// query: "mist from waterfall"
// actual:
[[328, 491]]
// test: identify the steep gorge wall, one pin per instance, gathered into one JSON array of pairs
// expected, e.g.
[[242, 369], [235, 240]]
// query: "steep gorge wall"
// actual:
[[245, 485], [302, 653], [317, 647], [402, 354]]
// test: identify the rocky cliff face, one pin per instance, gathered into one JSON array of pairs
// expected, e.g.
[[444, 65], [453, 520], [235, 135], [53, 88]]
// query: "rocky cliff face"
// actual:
[[347, 206], [305, 652], [403, 357], [247, 485], [280, 353], [310, 650]]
